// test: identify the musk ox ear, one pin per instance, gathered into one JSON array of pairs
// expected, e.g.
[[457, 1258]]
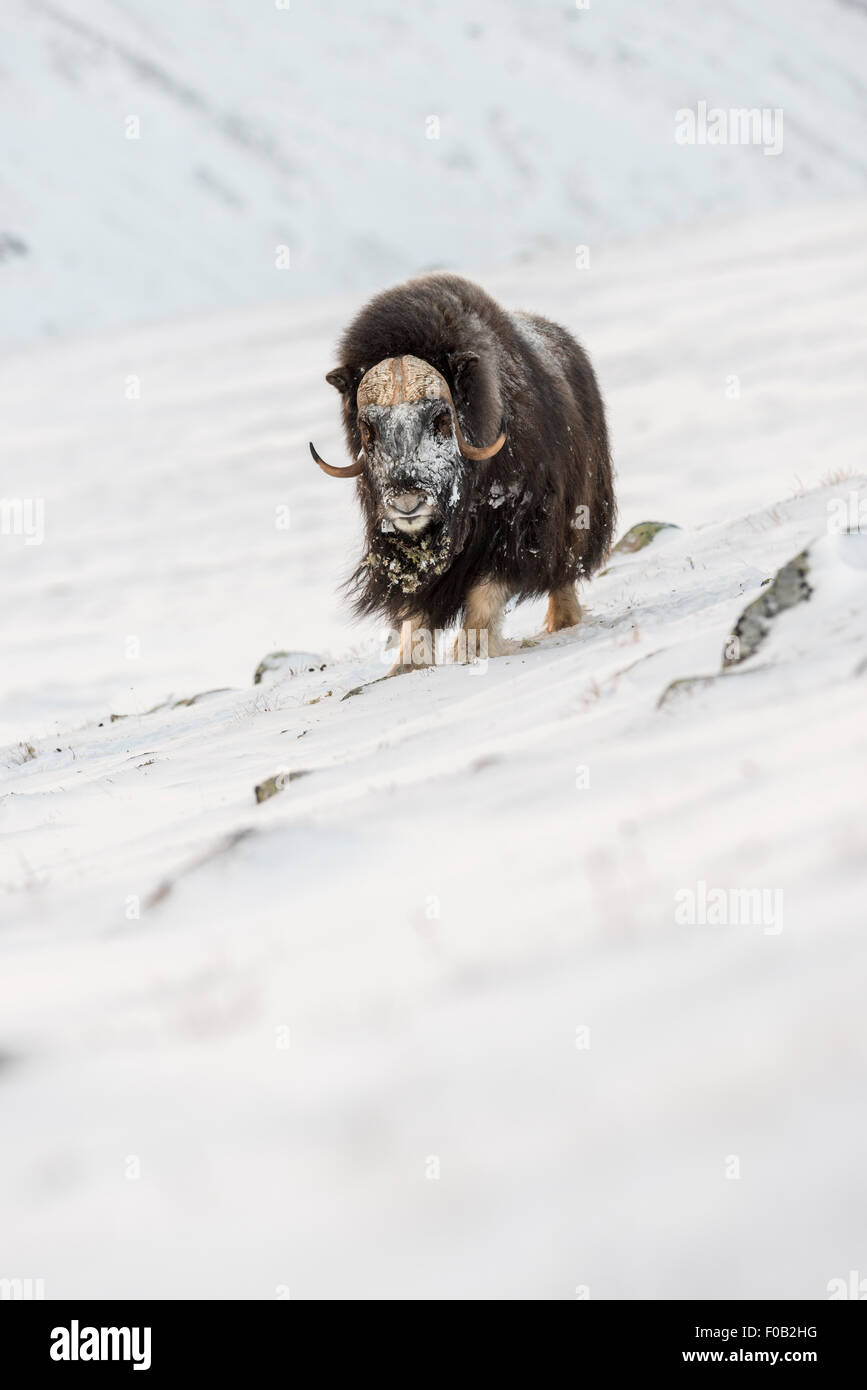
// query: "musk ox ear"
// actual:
[[477, 393], [342, 379], [463, 366]]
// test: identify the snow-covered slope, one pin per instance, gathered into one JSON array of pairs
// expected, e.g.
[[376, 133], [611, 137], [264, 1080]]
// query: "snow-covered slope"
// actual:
[[308, 127], [429, 1021]]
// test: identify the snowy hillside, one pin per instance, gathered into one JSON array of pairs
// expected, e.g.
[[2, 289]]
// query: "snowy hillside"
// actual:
[[429, 1021], [156, 156]]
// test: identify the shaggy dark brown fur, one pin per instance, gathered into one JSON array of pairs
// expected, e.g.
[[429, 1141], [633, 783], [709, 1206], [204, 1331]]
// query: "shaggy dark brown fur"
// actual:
[[515, 518]]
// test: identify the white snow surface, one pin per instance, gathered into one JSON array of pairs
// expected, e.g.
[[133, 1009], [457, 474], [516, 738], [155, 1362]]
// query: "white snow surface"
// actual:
[[424, 1023], [351, 144]]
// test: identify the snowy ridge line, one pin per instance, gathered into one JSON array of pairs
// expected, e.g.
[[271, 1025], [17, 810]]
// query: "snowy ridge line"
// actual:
[[226, 163]]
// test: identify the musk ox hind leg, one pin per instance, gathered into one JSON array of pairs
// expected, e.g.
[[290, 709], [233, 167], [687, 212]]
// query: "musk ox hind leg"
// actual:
[[564, 610], [480, 633]]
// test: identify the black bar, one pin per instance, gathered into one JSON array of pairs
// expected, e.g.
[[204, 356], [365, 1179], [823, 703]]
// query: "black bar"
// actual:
[[221, 1339]]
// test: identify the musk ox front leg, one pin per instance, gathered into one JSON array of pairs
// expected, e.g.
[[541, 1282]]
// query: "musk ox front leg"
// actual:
[[564, 610], [481, 630], [414, 646]]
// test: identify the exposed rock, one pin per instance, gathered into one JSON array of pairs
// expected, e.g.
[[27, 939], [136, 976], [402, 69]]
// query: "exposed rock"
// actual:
[[179, 704], [223, 846], [358, 689], [272, 785], [203, 695], [288, 664], [11, 245], [789, 587], [486, 760], [640, 535], [683, 686]]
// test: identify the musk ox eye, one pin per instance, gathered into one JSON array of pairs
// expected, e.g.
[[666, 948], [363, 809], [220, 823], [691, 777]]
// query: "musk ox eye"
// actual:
[[442, 425], [367, 434]]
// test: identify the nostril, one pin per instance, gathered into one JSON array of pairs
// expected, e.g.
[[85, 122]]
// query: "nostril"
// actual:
[[407, 501]]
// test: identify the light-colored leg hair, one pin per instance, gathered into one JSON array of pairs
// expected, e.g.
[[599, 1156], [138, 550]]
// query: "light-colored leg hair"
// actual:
[[483, 614], [564, 609], [411, 653]]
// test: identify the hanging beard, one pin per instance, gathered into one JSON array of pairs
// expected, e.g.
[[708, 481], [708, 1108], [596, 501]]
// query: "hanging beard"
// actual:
[[408, 565]]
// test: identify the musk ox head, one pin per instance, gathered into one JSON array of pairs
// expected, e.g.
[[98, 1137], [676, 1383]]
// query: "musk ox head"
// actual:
[[413, 455]]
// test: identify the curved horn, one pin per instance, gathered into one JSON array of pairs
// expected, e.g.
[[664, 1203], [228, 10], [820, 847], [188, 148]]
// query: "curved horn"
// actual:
[[351, 470], [470, 451]]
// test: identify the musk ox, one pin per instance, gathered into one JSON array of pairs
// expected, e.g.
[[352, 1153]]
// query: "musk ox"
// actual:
[[481, 457]]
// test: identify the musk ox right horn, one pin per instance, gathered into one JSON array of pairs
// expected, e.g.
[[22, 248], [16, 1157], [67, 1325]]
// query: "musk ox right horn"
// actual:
[[351, 470], [470, 451]]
